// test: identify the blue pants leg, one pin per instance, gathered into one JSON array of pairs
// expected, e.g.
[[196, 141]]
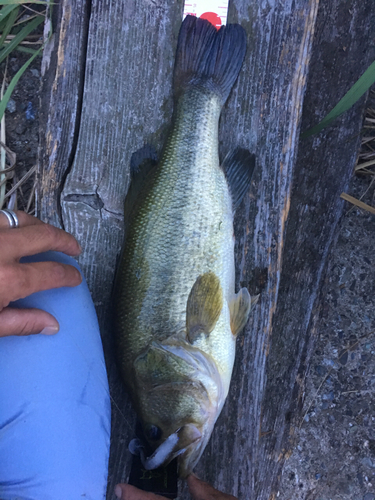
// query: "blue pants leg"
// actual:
[[54, 403]]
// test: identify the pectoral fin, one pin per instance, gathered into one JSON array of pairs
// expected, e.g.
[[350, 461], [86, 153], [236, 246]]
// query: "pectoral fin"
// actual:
[[239, 308], [204, 306]]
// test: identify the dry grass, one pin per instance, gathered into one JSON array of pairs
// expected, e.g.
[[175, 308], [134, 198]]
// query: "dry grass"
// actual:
[[366, 158]]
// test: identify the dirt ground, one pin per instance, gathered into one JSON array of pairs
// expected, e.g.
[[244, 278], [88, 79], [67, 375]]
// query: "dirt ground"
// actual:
[[334, 456], [21, 122]]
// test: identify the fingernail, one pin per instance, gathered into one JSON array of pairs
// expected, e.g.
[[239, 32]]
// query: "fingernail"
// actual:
[[118, 491], [50, 330]]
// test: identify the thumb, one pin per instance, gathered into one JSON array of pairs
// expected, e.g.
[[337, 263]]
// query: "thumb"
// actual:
[[26, 321], [200, 490], [128, 492]]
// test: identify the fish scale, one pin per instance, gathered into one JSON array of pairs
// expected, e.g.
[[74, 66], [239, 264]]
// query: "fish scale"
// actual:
[[193, 199]]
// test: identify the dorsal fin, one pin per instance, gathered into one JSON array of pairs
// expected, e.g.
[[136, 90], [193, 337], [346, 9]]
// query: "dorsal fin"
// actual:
[[239, 167], [204, 306], [142, 164], [145, 157]]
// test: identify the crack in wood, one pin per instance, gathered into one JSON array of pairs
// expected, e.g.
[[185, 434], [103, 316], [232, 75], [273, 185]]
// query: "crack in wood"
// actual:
[[92, 200]]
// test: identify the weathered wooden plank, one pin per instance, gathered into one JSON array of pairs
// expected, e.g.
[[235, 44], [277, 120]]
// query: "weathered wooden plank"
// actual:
[[61, 96], [263, 114], [127, 101], [325, 164], [124, 105]]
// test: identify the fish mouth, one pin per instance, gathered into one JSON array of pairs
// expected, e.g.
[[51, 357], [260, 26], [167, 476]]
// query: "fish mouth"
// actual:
[[178, 443]]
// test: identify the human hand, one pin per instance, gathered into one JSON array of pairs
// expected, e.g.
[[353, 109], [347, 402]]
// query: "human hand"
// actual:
[[19, 280], [199, 490]]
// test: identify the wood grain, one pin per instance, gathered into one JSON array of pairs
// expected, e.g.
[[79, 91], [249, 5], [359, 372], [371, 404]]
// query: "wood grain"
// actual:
[[115, 63], [263, 115], [272, 396], [61, 93], [127, 102]]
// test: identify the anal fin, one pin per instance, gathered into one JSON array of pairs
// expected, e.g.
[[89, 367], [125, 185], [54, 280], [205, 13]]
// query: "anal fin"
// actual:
[[239, 308], [204, 306]]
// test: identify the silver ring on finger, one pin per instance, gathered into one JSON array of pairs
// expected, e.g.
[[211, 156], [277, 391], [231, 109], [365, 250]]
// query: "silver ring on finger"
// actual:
[[11, 216]]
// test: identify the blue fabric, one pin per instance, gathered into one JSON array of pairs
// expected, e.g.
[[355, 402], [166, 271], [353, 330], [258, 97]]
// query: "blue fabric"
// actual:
[[54, 402]]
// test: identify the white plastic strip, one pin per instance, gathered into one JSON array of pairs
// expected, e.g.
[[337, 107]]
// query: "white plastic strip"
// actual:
[[215, 11]]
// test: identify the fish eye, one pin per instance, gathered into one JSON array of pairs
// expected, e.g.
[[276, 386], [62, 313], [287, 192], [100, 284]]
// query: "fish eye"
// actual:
[[153, 432]]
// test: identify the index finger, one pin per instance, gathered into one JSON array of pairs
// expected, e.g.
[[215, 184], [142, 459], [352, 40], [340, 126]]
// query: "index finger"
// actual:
[[23, 218], [38, 238]]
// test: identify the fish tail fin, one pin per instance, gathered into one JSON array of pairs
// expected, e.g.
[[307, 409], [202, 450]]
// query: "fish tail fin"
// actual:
[[207, 57]]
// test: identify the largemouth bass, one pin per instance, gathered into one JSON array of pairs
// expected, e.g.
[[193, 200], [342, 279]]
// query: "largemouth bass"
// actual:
[[177, 314]]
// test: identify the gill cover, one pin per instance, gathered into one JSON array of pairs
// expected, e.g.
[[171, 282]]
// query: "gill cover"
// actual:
[[176, 365]]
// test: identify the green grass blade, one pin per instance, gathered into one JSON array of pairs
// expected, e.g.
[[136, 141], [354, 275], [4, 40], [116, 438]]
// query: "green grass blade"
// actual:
[[3, 22], [20, 37], [14, 81], [5, 11], [9, 25], [26, 50], [19, 2], [349, 99]]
